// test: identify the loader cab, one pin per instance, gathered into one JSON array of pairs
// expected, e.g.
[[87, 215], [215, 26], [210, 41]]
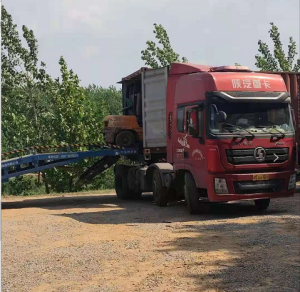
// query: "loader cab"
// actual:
[[132, 98], [126, 130]]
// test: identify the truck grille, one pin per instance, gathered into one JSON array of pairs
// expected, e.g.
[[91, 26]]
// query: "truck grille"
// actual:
[[246, 156], [255, 187]]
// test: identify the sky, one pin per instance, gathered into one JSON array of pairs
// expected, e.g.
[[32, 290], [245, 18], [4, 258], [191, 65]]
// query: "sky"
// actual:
[[101, 40]]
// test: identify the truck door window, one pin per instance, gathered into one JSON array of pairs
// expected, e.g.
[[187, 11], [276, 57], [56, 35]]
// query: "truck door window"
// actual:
[[180, 119]]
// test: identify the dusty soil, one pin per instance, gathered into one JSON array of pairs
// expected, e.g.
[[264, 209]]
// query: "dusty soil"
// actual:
[[98, 243]]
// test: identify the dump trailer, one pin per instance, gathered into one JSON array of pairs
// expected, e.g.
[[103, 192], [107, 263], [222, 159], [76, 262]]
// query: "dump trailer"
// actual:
[[209, 134]]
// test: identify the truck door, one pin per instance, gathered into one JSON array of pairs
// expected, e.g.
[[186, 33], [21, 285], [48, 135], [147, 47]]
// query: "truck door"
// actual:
[[179, 140], [195, 153]]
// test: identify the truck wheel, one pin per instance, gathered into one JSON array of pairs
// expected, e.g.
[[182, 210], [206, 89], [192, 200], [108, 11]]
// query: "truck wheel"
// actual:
[[191, 194], [160, 193], [262, 204], [121, 185], [125, 139]]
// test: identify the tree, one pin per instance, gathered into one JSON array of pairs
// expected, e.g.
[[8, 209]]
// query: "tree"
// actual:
[[22, 82], [156, 57], [40, 110], [278, 61]]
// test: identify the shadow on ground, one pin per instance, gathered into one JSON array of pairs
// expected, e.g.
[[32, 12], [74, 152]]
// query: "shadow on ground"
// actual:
[[260, 257], [116, 211], [258, 254], [63, 202]]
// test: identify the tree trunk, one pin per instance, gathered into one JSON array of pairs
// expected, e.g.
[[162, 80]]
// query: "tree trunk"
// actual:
[[70, 184], [46, 183]]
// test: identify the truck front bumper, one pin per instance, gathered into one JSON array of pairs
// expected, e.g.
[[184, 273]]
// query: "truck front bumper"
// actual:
[[247, 187]]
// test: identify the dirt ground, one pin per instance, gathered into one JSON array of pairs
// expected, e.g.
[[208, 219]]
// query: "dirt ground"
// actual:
[[95, 242]]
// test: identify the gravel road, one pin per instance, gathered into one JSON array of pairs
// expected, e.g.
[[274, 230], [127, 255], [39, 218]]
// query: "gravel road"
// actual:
[[95, 242]]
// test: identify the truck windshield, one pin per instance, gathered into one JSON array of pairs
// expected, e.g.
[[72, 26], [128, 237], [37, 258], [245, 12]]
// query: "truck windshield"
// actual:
[[253, 117]]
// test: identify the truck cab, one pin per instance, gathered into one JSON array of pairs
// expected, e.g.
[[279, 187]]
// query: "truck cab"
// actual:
[[233, 131]]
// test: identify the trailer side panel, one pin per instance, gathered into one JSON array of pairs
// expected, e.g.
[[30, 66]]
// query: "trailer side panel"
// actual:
[[154, 87]]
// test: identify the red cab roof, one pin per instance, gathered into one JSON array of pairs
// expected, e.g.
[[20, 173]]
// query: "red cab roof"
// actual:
[[224, 78], [187, 68]]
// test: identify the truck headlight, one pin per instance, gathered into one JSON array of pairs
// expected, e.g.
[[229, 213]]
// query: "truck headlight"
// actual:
[[221, 186], [292, 182]]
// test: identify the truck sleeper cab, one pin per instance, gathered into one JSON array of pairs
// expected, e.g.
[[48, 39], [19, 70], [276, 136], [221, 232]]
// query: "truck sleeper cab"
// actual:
[[229, 135]]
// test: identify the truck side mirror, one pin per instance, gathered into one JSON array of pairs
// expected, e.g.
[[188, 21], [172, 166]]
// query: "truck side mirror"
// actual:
[[193, 124]]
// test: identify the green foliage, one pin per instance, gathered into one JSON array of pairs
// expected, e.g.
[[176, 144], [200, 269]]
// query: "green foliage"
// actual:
[[22, 82], [105, 181], [99, 103], [278, 61], [23, 186], [156, 56], [40, 110]]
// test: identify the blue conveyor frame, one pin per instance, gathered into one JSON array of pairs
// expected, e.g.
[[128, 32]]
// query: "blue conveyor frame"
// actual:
[[39, 162]]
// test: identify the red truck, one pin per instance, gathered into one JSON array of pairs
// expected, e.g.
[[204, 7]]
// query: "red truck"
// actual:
[[210, 134]]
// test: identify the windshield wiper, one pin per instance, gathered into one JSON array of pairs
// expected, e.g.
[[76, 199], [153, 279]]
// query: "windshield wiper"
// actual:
[[226, 125], [282, 135]]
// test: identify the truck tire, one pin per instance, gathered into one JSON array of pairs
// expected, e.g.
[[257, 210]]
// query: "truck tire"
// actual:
[[160, 193], [121, 184], [191, 194], [262, 204], [125, 139]]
